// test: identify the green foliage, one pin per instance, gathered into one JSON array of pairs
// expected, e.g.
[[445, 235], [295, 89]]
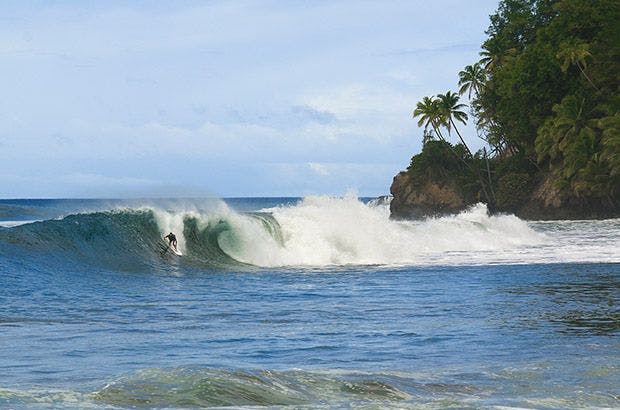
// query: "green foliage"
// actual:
[[553, 70], [443, 163], [438, 161], [610, 152], [583, 151], [545, 96]]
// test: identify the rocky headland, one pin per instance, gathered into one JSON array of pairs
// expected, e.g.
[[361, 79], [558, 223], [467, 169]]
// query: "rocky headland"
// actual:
[[544, 201]]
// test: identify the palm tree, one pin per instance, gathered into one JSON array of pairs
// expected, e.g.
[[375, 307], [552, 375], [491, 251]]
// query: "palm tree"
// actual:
[[569, 137], [430, 113], [558, 131], [442, 111], [494, 54], [472, 78], [575, 53], [490, 55], [610, 126], [450, 111]]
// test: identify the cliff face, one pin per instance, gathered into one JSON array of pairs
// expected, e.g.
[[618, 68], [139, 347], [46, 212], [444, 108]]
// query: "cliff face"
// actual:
[[547, 202], [430, 199], [544, 201]]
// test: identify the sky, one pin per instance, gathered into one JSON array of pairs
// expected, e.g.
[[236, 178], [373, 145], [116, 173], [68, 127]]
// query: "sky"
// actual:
[[222, 98]]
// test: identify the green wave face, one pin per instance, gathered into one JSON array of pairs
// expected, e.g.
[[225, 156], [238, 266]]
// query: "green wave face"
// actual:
[[132, 240], [185, 388], [214, 387], [205, 387]]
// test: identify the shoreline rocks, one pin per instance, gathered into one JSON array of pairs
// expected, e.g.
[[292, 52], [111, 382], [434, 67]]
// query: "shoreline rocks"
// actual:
[[419, 199]]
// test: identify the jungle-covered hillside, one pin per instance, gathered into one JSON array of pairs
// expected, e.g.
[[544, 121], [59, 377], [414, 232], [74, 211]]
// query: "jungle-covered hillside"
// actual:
[[545, 98]]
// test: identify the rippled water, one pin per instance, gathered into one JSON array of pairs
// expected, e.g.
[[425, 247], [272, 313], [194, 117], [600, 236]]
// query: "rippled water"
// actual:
[[75, 333]]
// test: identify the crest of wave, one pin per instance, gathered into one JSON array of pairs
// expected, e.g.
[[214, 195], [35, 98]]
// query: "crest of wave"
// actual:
[[321, 231]]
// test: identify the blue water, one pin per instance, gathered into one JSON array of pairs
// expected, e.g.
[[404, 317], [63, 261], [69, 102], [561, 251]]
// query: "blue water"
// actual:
[[89, 323]]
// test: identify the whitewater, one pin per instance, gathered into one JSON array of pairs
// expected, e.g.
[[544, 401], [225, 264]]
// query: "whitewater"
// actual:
[[315, 302]]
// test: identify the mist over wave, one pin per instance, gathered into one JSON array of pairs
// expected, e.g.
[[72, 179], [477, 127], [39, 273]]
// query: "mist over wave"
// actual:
[[316, 231]]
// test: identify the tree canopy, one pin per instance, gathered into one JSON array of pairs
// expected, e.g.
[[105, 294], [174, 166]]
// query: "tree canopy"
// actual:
[[546, 91], [551, 88]]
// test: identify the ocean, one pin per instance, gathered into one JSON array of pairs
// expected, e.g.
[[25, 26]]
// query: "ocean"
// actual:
[[316, 302]]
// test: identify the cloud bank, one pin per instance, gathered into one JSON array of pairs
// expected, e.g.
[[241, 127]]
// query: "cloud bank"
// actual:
[[233, 98]]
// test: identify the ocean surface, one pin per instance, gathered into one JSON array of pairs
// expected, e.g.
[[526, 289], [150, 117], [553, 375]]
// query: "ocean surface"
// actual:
[[320, 302]]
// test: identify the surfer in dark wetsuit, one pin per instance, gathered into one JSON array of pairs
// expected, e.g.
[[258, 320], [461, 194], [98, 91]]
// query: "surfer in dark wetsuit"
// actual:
[[171, 239]]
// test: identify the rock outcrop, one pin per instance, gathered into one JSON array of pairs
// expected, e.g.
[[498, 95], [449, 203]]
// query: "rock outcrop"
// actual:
[[548, 202], [544, 201], [428, 199]]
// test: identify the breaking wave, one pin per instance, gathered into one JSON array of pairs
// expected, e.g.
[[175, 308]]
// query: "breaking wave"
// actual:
[[317, 231]]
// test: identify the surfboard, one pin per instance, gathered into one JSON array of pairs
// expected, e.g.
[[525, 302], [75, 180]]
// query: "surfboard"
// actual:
[[173, 249]]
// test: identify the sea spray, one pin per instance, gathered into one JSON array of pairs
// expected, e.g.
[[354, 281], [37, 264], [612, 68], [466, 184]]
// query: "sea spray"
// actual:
[[322, 230]]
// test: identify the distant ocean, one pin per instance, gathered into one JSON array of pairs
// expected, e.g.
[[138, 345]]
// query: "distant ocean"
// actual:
[[303, 303]]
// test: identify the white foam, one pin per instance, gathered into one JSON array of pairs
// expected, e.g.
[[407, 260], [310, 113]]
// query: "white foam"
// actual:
[[12, 224], [323, 231], [173, 220]]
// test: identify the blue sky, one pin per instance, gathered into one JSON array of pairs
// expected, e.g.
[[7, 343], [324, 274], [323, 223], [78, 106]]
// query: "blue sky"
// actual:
[[256, 98]]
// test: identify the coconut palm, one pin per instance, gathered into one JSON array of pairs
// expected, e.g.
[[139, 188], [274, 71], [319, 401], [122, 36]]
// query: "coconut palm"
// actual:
[[575, 53], [441, 111], [560, 130], [494, 54], [430, 114], [472, 78], [611, 142], [450, 111], [569, 137]]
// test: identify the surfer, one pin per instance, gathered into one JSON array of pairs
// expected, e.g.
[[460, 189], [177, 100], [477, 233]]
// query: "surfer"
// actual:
[[172, 240]]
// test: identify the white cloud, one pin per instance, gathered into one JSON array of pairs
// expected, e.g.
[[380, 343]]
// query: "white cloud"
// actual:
[[407, 76], [320, 169]]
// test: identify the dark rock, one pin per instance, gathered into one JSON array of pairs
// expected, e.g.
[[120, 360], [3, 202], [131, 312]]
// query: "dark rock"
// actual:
[[543, 201], [428, 199], [548, 202]]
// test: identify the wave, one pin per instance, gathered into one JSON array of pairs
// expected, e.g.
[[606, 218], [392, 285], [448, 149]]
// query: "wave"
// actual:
[[195, 387], [199, 387], [126, 239], [212, 387], [219, 387], [317, 231]]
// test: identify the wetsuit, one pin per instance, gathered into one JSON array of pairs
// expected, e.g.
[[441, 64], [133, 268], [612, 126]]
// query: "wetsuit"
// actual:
[[172, 239]]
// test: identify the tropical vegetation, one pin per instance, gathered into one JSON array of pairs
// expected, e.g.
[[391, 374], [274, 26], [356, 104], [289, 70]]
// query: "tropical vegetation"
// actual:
[[544, 97]]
